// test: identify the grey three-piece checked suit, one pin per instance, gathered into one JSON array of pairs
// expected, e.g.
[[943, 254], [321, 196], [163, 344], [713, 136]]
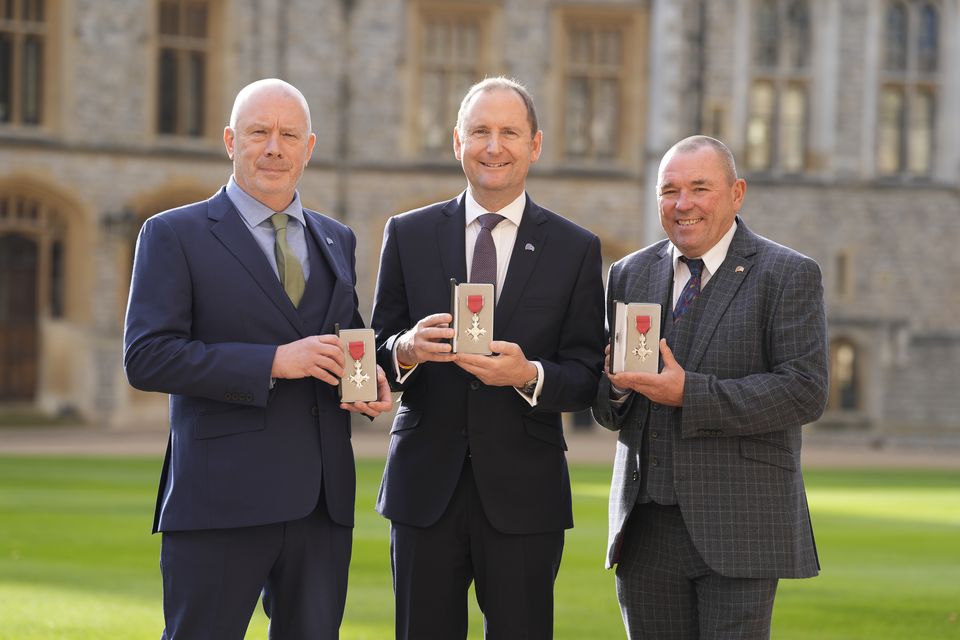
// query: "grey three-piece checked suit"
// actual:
[[753, 346]]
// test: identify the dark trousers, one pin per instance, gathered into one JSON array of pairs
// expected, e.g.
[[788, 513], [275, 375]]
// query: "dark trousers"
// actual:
[[434, 566], [667, 591], [212, 579]]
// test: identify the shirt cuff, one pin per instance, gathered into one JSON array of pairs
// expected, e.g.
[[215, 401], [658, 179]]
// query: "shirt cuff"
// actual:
[[618, 396], [535, 396], [402, 373]]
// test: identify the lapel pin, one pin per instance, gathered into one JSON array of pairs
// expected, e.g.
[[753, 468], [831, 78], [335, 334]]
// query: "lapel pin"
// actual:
[[329, 240], [529, 247], [739, 269]]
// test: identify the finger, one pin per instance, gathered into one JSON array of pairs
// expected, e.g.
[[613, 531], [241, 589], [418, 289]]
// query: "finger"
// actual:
[[504, 347], [436, 319]]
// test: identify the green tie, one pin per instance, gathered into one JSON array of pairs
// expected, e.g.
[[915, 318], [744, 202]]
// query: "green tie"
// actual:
[[291, 271]]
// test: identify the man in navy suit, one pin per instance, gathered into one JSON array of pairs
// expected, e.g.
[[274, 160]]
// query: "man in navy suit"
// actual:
[[476, 484], [232, 309]]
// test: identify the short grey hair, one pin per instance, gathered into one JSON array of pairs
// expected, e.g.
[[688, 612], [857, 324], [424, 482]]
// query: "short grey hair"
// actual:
[[499, 82], [694, 143]]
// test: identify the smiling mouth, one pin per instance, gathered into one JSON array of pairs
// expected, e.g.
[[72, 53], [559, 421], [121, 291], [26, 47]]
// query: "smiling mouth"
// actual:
[[689, 223], [494, 165]]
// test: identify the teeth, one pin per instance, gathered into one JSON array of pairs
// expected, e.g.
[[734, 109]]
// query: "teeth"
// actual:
[[495, 166], [687, 223]]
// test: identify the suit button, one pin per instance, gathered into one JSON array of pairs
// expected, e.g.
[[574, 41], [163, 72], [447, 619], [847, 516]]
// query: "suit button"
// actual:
[[655, 406], [635, 476], [654, 434], [654, 462], [314, 410], [474, 385]]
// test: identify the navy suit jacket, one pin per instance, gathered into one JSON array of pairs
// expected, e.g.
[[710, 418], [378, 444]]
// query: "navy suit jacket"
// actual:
[[552, 306], [205, 316]]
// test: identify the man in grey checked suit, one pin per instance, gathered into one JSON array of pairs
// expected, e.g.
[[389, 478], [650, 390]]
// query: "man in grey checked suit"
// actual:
[[707, 505]]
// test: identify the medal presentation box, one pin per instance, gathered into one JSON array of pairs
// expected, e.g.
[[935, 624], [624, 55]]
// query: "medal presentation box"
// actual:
[[359, 381], [635, 339], [471, 305]]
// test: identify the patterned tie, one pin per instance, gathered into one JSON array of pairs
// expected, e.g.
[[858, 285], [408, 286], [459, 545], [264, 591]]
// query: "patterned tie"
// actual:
[[484, 268], [690, 290], [291, 271]]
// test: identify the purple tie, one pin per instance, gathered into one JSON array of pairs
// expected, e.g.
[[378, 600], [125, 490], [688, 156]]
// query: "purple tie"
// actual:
[[484, 268], [690, 290]]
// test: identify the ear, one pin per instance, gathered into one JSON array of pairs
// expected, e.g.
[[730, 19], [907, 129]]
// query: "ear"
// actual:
[[739, 191], [457, 145], [536, 147], [311, 141], [228, 138]]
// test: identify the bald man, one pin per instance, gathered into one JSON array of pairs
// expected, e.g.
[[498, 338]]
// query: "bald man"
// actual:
[[232, 311]]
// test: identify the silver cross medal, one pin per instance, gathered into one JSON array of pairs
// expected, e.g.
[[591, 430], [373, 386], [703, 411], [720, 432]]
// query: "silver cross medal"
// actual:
[[475, 304], [358, 377], [641, 350], [356, 352]]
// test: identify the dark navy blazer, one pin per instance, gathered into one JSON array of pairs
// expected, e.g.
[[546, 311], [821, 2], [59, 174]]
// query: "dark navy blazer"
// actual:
[[205, 316]]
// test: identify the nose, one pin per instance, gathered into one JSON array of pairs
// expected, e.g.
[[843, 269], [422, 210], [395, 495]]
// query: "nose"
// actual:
[[684, 201], [272, 148], [493, 144]]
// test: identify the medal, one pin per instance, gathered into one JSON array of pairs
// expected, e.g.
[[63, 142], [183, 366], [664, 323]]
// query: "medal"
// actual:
[[641, 351], [356, 352], [475, 304]]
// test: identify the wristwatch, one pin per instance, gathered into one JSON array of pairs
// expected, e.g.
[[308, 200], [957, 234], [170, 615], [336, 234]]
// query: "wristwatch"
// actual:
[[531, 385]]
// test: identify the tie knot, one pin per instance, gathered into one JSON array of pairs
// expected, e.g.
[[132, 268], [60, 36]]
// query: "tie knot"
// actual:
[[489, 220], [279, 221], [694, 264]]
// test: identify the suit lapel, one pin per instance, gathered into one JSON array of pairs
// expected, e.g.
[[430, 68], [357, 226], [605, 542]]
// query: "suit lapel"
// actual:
[[451, 238], [529, 246], [230, 229], [720, 291], [328, 245]]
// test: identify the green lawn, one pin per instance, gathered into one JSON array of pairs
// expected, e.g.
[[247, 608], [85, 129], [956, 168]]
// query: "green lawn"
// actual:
[[77, 561]]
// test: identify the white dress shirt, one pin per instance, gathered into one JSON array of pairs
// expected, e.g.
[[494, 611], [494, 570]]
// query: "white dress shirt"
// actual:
[[504, 237]]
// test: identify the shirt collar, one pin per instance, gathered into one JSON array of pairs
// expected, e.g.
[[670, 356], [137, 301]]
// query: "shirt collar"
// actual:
[[512, 212], [254, 212], [715, 256]]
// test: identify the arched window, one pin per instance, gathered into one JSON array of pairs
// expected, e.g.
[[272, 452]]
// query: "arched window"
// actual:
[[844, 377], [909, 89], [24, 60], [779, 106]]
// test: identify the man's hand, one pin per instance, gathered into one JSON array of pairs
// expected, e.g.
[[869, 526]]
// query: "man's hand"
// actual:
[[664, 388], [384, 401], [508, 367], [423, 343], [318, 356]]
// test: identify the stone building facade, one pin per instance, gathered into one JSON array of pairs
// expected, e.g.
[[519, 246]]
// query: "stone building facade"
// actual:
[[842, 114]]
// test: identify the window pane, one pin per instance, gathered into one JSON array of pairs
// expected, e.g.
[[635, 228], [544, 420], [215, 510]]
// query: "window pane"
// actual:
[[766, 36], [169, 18], [928, 39], [759, 126], [895, 38], [920, 143], [167, 92], [31, 91], [844, 373], [576, 117], [196, 20], [432, 100], [6, 9], [32, 10], [793, 119], [6, 77], [196, 72], [890, 135], [606, 110], [798, 35]]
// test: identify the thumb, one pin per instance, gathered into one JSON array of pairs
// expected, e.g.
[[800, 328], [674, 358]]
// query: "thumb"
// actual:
[[668, 359]]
